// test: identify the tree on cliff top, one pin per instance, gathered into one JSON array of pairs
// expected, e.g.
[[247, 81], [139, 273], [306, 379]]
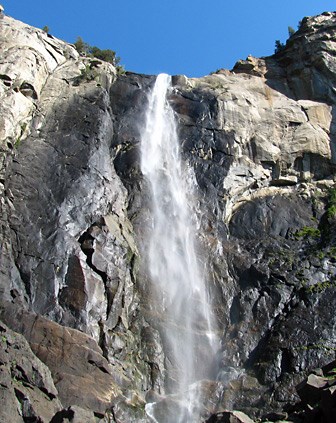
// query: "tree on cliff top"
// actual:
[[93, 51]]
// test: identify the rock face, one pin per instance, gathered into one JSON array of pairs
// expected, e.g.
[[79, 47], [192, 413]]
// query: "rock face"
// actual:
[[74, 211], [27, 389]]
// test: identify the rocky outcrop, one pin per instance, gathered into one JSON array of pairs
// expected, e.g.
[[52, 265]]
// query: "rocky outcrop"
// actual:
[[318, 400], [260, 142], [27, 389]]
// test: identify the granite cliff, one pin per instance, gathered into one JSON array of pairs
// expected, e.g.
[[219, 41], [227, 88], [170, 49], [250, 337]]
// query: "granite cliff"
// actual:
[[79, 341]]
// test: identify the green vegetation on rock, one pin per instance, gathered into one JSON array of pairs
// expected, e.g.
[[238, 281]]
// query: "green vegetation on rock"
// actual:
[[321, 286], [308, 232], [331, 207], [87, 74], [279, 46], [106, 55]]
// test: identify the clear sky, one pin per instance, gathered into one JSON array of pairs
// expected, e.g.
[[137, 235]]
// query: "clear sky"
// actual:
[[191, 37]]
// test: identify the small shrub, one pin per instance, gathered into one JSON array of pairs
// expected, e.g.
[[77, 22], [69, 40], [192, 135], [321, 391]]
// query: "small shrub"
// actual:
[[81, 46], [308, 232], [279, 46], [46, 29], [106, 55], [331, 211], [332, 253], [87, 74], [331, 206], [320, 255], [332, 195], [320, 287]]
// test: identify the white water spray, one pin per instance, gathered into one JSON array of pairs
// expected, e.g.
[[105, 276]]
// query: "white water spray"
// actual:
[[184, 313]]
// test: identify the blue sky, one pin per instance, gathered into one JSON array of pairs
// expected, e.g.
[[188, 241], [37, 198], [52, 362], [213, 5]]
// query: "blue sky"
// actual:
[[191, 37]]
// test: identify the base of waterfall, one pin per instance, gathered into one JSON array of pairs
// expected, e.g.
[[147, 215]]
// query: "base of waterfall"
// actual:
[[193, 405]]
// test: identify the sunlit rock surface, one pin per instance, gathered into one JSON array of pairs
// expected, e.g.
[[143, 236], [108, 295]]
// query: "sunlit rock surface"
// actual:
[[75, 208]]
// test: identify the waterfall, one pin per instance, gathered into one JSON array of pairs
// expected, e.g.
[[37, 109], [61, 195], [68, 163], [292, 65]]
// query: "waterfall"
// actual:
[[184, 314]]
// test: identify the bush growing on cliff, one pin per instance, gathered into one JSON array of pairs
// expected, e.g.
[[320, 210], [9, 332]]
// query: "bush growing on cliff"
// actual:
[[81, 46], [331, 208], [308, 232], [107, 55], [278, 46], [87, 74]]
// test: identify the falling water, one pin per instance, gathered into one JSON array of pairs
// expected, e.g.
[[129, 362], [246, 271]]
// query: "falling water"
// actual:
[[184, 312]]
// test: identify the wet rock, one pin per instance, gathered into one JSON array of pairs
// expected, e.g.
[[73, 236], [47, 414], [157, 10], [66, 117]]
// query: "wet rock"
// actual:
[[198, 402]]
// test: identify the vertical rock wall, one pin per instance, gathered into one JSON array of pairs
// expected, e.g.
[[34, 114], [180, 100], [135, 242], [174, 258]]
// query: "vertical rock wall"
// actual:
[[74, 213]]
